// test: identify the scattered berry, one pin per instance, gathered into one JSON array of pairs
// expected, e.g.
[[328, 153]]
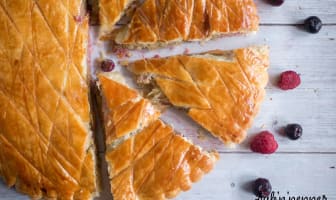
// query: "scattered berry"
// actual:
[[293, 131], [264, 143], [107, 65], [276, 2], [289, 80], [262, 188], [313, 24], [186, 51], [156, 56]]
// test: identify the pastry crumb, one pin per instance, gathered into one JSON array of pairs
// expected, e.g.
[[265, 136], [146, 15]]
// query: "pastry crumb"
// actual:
[[275, 123], [230, 145], [202, 43], [171, 47], [123, 62], [121, 52], [201, 135], [186, 51], [109, 123], [78, 19]]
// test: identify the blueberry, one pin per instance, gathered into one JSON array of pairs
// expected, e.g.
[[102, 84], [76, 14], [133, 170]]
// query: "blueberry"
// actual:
[[276, 2], [262, 188], [293, 131], [313, 24], [107, 65]]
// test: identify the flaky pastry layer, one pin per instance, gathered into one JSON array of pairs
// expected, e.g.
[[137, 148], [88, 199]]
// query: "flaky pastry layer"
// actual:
[[157, 23], [220, 90], [46, 148], [149, 160]]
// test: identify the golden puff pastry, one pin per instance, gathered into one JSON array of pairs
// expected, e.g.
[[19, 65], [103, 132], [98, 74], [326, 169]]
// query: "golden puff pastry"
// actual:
[[46, 146], [149, 161], [110, 12], [221, 90], [169, 21]]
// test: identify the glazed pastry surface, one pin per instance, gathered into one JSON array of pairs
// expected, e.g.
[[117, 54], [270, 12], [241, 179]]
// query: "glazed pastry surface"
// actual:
[[221, 90], [46, 148], [168, 21], [148, 160], [110, 12]]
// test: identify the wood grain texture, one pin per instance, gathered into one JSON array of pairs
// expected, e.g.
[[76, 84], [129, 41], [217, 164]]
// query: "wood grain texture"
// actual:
[[300, 175], [294, 11]]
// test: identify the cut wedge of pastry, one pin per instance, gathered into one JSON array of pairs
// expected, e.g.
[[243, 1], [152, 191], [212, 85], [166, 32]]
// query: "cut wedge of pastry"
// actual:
[[110, 12], [46, 145], [146, 158], [156, 23], [220, 90]]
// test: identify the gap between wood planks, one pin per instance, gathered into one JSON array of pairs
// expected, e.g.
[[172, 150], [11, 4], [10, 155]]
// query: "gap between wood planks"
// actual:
[[292, 24], [279, 153]]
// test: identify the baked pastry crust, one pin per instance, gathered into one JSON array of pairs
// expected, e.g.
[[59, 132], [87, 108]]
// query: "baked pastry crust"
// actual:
[[138, 164], [231, 83], [110, 12], [167, 21], [46, 145]]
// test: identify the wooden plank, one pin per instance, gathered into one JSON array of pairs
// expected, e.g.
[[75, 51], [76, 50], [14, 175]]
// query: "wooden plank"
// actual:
[[295, 11], [298, 174]]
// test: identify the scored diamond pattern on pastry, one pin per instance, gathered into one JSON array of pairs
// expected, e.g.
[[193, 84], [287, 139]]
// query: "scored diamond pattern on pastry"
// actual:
[[148, 160], [155, 22], [220, 90], [46, 146], [110, 12]]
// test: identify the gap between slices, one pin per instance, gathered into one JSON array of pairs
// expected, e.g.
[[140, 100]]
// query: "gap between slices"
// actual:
[[158, 23], [137, 153], [220, 90]]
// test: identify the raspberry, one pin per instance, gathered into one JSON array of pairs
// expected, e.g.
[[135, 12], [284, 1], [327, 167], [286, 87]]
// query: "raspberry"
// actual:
[[107, 65], [264, 143], [289, 80]]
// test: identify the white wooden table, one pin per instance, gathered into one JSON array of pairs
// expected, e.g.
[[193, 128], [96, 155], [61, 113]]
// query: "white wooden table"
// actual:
[[305, 167]]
